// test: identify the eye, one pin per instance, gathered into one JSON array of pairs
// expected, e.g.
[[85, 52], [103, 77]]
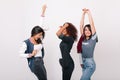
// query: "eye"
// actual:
[[86, 30]]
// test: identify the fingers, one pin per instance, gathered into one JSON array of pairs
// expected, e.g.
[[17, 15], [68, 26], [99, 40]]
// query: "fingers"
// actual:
[[85, 10], [35, 51], [82, 65], [60, 26], [30, 55], [66, 25]]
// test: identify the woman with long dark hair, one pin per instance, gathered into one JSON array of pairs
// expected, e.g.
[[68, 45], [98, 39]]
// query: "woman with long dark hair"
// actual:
[[33, 50], [68, 34], [86, 46]]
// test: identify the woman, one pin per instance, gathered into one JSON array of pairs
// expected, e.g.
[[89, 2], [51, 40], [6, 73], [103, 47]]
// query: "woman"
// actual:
[[68, 34], [33, 50], [86, 46]]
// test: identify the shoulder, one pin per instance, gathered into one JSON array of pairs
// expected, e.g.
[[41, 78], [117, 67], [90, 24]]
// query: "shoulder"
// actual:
[[95, 37], [27, 40]]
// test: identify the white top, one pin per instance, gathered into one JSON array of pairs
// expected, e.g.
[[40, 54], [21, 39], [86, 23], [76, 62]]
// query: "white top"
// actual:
[[38, 48]]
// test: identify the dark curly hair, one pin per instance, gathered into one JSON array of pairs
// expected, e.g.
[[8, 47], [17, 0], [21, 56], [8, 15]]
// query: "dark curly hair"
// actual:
[[71, 30]]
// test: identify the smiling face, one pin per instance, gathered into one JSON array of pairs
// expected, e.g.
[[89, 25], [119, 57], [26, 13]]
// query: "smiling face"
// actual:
[[87, 31], [65, 30]]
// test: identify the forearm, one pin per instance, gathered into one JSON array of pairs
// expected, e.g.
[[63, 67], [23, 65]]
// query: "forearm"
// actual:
[[91, 22], [43, 10], [90, 18], [59, 32], [82, 23]]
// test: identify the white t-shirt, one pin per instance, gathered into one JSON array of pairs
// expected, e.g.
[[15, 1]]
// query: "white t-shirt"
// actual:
[[38, 48]]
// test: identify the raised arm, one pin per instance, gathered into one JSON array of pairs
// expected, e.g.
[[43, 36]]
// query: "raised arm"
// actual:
[[59, 32], [91, 21], [42, 17], [82, 22], [43, 10]]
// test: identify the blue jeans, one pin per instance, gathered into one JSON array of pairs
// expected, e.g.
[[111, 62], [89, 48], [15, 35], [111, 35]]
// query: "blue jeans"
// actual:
[[38, 68], [88, 69]]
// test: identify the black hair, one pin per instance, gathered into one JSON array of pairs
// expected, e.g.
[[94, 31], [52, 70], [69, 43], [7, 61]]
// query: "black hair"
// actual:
[[36, 30]]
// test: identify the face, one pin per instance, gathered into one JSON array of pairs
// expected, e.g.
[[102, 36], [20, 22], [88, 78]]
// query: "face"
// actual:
[[37, 36], [87, 32], [65, 31]]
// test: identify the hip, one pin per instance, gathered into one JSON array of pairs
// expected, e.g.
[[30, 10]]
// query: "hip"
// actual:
[[89, 62]]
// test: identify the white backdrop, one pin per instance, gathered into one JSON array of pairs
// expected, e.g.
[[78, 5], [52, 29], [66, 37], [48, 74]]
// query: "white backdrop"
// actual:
[[18, 17]]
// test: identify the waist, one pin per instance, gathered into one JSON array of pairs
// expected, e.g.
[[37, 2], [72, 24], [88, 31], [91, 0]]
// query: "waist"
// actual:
[[88, 59], [39, 54], [38, 58], [87, 55]]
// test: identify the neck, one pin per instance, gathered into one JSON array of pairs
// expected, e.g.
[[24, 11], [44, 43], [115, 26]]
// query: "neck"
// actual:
[[33, 40], [87, 38]]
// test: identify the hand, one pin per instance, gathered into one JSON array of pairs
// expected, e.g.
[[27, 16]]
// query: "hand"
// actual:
[[82, 65], [85, 10], [30, 55], [66, 25], [88, 11], [34, 53], [60, 26]]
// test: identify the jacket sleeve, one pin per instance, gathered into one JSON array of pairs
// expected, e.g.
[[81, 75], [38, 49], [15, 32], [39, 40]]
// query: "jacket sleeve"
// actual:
[[22, 50]]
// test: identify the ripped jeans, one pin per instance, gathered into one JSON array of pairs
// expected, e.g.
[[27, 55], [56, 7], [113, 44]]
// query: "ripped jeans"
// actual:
[[88, 69]]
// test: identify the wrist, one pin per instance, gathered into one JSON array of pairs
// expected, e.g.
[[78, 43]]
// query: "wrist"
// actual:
[[30, 55], [42, 15]]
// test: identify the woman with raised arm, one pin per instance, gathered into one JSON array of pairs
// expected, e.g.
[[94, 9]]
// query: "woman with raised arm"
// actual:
[[33, 50], [68, 34], [86, 46]]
